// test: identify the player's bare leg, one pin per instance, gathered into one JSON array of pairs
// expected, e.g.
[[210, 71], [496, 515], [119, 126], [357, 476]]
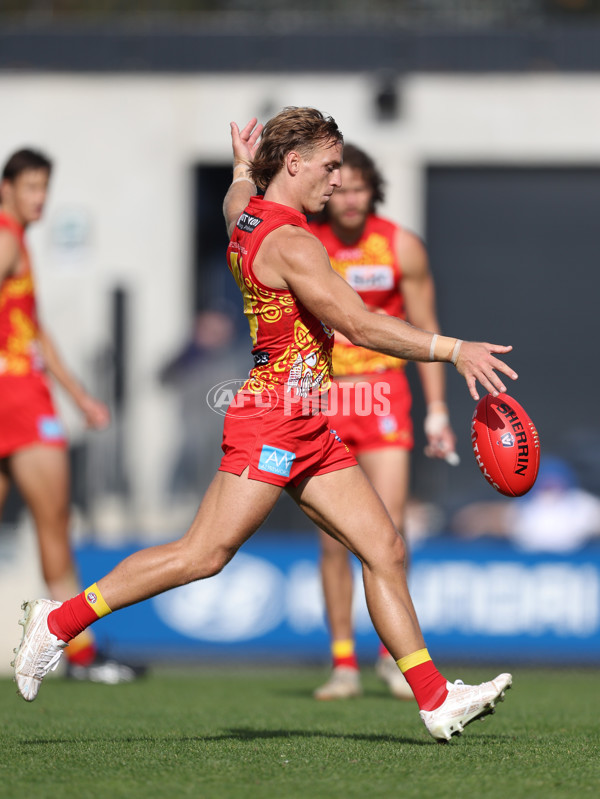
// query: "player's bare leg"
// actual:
[[365, 528], [233, 508], [338, 584], [41, 474], [388, 470]]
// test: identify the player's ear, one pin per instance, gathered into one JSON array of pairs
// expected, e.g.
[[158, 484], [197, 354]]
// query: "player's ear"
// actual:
[[292, 162]]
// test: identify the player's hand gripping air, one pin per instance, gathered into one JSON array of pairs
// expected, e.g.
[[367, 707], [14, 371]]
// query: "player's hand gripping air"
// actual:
[[477, 362], [245, 142]]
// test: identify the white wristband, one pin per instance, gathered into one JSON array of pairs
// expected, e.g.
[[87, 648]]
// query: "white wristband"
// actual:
[[436, 422], [456, 351], [432, 347]]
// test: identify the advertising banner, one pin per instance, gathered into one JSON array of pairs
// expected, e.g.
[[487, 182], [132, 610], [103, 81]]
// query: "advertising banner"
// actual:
[[479, 600]]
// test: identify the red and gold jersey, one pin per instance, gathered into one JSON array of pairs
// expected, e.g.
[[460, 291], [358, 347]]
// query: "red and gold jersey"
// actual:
[[371, 267], [19, 329], [291, 347]]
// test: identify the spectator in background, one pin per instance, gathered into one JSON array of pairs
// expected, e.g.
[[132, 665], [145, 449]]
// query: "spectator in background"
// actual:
[[33, 445], [209, 358], [557, 515]]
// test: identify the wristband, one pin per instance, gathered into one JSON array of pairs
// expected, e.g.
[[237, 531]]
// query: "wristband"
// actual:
[[435, 423], [432, 347], [456, 351]]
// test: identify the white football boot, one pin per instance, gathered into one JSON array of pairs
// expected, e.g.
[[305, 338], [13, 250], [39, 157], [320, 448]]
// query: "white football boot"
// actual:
[[387, 670], [344, 683], [464, 704], [39, 651]]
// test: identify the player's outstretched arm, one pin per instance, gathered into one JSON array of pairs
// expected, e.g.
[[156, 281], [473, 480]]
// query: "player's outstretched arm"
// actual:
[[291, 257], [244, 143], [97, 414]]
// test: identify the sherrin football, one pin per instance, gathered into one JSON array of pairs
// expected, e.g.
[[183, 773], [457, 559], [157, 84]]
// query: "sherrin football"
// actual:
[[506, 444]]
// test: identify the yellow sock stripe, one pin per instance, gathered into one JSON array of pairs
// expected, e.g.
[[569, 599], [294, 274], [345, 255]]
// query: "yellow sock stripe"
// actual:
[[342, 648], [96, 601], [412, 660]]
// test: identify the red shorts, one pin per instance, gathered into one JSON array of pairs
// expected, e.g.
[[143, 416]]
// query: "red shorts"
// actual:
[[285, 443], [27, 414], [373, 412]]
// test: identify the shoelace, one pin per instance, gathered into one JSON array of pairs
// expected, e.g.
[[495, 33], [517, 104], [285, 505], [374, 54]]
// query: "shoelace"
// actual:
[[47, 661]]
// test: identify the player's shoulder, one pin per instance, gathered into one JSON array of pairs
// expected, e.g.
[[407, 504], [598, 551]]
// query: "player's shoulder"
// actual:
[[294, 245], [382, 224]]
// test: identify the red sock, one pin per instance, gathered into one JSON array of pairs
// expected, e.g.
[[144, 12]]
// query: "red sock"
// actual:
[[428, 685], [71, 618], [74, 615], [342, 652]]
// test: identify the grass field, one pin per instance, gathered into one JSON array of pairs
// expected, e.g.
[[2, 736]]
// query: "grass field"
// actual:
[[227, 733]]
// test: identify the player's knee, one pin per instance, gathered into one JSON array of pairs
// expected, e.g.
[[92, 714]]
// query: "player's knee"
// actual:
[[395, 552], [207, 565]]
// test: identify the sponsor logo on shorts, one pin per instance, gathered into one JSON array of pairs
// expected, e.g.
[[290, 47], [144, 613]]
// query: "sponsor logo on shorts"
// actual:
[[50, 428], [91, 598], [275, 460]]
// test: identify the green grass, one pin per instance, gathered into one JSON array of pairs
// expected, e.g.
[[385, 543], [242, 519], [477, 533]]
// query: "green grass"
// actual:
[[227, 733]]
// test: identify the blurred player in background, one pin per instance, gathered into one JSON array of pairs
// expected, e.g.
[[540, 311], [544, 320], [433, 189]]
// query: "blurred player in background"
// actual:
[[370, 399], [293, 300], [33, 447]]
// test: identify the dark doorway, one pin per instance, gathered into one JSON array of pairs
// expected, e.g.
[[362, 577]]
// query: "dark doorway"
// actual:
[[515, 259]]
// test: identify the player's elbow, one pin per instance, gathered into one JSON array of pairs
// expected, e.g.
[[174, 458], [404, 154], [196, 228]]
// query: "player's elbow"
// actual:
[[355, 331]]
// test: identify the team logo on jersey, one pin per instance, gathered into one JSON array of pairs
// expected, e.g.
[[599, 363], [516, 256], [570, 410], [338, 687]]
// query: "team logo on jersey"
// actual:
[[248, 223], [276, 461], [302, 379], [370, 278]]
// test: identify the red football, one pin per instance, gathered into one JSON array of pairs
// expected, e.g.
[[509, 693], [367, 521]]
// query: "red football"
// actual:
[[506, 444]]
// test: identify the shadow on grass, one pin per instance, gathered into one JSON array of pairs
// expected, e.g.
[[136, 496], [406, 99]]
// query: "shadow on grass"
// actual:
[[231, 734]]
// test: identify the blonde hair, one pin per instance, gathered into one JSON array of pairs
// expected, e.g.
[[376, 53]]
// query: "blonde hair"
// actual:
[[300, 129]]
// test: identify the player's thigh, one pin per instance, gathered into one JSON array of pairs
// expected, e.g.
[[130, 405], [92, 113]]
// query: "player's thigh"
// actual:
[[344, 504], [41, 474], [331, 548], [233, 508], [388, 469]]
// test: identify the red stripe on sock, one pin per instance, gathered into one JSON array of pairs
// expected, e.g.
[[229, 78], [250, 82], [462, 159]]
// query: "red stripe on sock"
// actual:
[[428, 685], [71, 618], [350, 662]]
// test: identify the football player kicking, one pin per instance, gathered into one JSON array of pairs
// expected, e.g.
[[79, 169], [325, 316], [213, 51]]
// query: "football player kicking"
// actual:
[[293, 300]]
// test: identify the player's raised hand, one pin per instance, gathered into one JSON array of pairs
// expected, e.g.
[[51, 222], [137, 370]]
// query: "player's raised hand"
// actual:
[[476, 362], [245, 141]]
